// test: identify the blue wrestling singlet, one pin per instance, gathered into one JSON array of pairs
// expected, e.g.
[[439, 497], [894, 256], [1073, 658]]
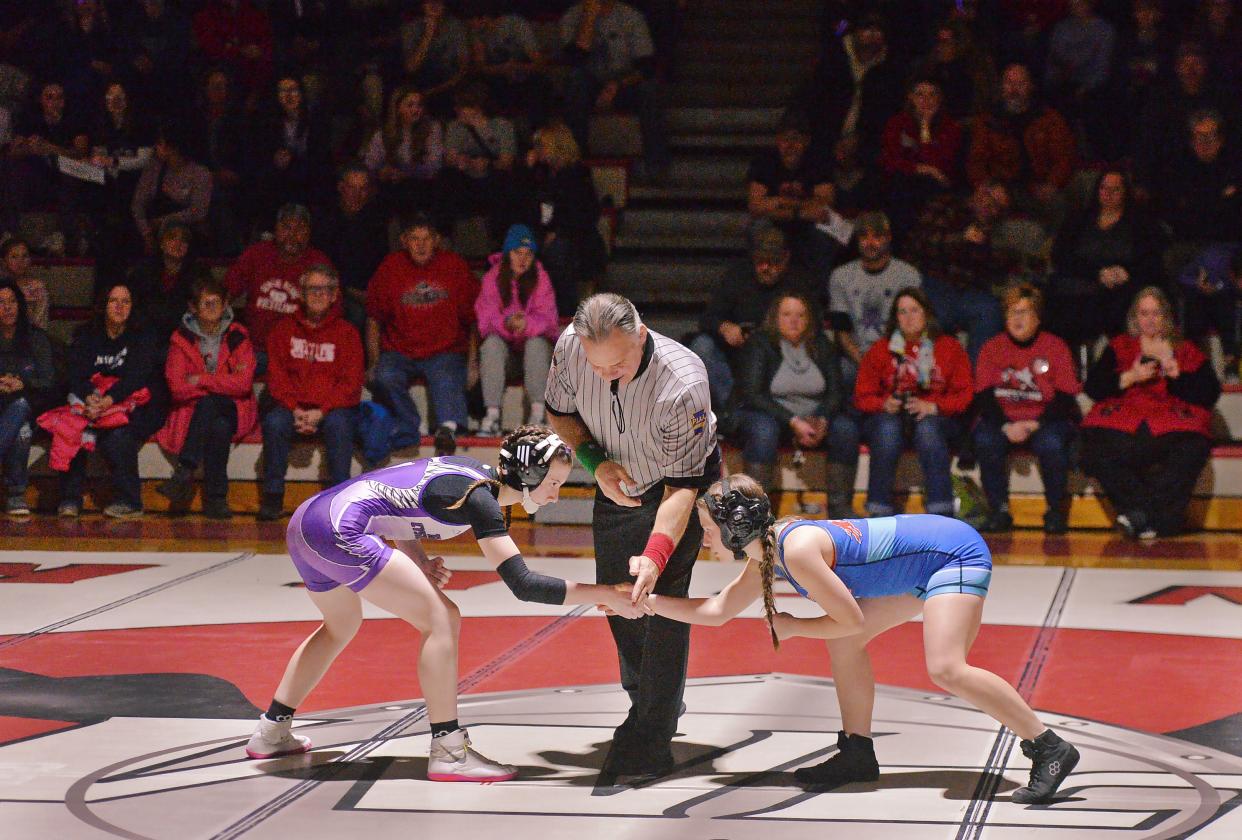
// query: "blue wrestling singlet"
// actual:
[[913, 554]]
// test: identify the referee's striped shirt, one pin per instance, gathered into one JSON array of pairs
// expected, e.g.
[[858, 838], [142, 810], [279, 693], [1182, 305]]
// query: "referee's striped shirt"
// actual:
[[658, 426]]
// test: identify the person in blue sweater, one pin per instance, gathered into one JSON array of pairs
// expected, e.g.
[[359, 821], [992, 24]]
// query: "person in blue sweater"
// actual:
[[868, 575]]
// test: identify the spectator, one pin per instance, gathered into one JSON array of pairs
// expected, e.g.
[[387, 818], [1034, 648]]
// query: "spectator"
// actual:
[[406, 154], [88, 50], [236, 34], [965, 72], [267, 275], [1078, 71], [1211, 287], [506, 54], [121, 145], [420, 322], [25, 379], [353, 233], [739, 304], [1099, 258], [861, 293], [15, 268], [162, 282], [787, 187], [157, 41], [789, 388], [1144, 57], [291, 152], [435, 54], [1199, 197], [33, 179], [113, 367], [609, 48], [913, 388], [956, 244], [479, 150], [516, 312], [1025, 388], [210, 372], [855, 88], [314, 384], [1219, 28], [221, 129], [1148, 435], [919, 152], [1024, 144], [306, 32], [1160, 133], [173, 187], [565, 213]]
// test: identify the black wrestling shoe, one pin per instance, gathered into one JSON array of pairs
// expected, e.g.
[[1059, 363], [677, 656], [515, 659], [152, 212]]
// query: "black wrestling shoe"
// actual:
[[854, 762], [1052, 759]]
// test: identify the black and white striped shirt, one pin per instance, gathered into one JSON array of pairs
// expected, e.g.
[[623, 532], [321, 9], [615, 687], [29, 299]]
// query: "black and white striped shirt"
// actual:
[[658, 426]]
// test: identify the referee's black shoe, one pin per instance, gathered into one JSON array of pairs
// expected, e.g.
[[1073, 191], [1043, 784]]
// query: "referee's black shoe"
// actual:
[[854, 762], [445, 441], [1052, 759]]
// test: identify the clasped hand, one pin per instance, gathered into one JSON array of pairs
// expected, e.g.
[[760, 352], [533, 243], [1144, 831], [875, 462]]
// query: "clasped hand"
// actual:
[[619, 602]]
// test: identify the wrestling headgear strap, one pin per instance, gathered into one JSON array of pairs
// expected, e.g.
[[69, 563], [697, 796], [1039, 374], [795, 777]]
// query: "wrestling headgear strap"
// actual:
[[740, 517]]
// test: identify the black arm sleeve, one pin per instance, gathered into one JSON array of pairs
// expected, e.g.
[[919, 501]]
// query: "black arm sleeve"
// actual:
[[1103, 380], [528, 585], [1063, 406], [989, 407], [1200, 388]]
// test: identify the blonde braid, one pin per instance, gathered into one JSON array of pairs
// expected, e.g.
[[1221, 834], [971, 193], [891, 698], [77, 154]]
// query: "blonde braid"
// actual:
[[767, 569]]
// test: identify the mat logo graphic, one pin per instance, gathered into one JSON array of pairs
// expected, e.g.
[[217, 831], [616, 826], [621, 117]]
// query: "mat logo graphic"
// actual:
[[1180, 596], [74, 572]]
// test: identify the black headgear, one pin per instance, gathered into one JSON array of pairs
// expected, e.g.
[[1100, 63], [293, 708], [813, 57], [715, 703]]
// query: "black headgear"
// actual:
[[526, 464], [741, 518]]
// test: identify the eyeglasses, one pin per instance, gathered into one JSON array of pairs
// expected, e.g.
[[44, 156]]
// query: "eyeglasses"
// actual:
[[319, 290]]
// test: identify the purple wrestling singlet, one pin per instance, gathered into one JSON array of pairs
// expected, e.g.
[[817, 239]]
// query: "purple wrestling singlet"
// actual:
[[336, 537]]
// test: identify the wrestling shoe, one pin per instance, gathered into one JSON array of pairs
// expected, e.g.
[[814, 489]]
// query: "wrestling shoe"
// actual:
[[1052, 759], [854, 762], [273, 738], [452, 759]]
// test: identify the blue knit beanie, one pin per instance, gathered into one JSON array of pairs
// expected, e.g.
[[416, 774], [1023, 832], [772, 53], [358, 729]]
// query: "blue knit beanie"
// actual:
[[519, 236]]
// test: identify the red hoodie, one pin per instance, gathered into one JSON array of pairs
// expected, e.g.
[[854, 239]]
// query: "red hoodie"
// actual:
[[423, 310], [318, 366], [880, 376], [270, 284]]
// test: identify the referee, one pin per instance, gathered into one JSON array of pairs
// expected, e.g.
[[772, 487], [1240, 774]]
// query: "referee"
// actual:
[[635, 407]]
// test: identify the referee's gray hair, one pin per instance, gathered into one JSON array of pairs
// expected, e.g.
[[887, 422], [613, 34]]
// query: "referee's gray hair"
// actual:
[[599, 315]]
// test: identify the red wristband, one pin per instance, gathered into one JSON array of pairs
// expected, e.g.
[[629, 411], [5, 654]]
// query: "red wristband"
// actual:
[[659, 549]]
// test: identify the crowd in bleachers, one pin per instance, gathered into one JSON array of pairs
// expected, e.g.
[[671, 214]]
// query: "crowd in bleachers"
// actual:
[[1019, 174], [1029, 178]]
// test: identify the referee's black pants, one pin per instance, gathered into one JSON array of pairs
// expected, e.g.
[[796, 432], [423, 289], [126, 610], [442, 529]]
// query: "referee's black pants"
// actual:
[[652, 650]]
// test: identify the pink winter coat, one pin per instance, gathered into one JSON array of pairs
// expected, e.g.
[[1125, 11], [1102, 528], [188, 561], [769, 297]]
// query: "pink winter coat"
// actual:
[[234, 377], [540, 308], [68, 424]]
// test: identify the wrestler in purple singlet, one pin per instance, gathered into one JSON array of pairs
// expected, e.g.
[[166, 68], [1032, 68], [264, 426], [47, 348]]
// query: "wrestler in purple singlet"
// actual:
[[336, 537]]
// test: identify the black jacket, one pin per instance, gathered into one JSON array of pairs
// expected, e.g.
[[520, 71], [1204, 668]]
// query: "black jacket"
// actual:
[[761, 358]]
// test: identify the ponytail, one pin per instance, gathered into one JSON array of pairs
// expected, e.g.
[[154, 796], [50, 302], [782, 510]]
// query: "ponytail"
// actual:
[[767, 569], [482, 482]]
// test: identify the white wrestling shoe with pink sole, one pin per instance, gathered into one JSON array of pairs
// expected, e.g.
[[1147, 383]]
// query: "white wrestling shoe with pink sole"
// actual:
[[452, 759], [273, 738]]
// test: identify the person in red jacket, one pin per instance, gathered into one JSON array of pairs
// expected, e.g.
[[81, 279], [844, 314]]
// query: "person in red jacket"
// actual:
[[1025, 387], [1148, 435], [210, 373], [421, 322], [912, 387], [267, 273], [919, 152], [314, 383]]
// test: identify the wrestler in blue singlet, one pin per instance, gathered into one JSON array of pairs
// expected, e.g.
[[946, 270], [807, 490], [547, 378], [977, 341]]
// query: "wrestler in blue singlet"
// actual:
[[912, 554]]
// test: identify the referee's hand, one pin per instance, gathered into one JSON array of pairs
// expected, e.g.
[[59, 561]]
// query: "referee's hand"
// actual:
[[643, 568], [610, 476]]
